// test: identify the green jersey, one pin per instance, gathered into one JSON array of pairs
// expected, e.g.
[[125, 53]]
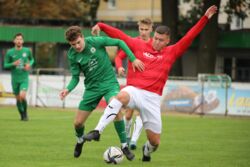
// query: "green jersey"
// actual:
[[24, 55], [94, 62]]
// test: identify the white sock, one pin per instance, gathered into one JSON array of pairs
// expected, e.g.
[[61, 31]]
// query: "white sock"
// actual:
[[149, 148], [109, 114], [124, 145], [128, 124], [137, 129]]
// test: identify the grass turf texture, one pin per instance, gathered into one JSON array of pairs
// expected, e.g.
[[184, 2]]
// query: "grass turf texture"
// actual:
[[47, 140]]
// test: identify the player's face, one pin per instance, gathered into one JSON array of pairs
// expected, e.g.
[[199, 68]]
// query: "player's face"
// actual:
[[78, 44], [145, 31], [18, 41], [160, 41]]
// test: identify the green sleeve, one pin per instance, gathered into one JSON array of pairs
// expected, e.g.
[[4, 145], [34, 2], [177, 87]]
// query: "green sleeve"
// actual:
[[73, 82], [75, 71], [106, 41], [7, 61], [31, 59]]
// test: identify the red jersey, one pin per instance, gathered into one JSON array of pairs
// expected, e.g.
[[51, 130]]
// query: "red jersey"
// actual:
[[121, 55], [157, 63]]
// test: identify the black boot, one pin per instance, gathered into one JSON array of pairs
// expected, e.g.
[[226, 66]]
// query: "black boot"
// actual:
[[24, 116]]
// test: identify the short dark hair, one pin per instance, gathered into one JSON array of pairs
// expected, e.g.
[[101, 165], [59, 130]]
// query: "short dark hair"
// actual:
[[18, 34], [72, 33], [163, 30]]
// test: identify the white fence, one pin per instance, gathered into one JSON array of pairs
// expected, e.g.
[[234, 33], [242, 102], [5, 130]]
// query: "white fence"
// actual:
[[178, 95]]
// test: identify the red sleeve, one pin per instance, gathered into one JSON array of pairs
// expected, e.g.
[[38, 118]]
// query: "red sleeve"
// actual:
[[116, 33], [181, 46], [118, 59]]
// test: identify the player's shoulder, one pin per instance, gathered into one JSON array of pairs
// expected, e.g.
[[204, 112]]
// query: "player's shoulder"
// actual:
[[10, 50], [71, 52], [26, 49], [94, 39]]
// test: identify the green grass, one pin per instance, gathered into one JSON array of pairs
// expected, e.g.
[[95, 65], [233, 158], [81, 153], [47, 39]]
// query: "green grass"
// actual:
[[47, 140]]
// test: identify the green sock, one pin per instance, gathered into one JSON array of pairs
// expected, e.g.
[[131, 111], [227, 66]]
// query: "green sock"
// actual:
[[120, 129], [79, 131], [24, 104], [19, 106]]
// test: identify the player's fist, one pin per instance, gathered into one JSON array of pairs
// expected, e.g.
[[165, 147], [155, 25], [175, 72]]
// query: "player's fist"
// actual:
[[27, 67], [63, 93], [121, 72], [138, 64], [211, 11], [17, 62], [96, 30]]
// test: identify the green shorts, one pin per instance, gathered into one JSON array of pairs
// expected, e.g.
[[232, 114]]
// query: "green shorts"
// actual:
[[18, 86], [92, 97]]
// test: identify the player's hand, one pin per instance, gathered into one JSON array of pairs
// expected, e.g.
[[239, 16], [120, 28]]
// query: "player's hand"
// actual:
[[96, 30], [211, 11], [138, 64], [27, 67], [63, 93], [121, 72], [17, 62]]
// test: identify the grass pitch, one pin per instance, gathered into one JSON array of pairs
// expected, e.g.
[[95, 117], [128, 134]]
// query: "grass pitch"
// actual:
[[47, 140]]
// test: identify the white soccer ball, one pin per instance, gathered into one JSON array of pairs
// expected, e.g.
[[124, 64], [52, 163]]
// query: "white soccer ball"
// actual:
[[113, 155]]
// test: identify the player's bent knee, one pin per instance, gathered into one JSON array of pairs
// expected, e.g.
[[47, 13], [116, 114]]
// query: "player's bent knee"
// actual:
[[123, 97], [77, 124], [155, 142]]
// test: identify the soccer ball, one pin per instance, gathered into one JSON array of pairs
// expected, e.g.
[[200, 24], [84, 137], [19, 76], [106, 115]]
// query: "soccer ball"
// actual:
[[113, 155]]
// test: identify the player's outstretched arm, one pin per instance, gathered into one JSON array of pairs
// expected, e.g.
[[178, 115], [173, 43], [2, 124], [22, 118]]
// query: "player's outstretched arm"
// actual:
[[211, 11], [181, 46], [114, 33]]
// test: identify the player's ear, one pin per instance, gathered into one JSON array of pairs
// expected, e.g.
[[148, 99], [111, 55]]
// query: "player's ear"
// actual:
[[168, 40]]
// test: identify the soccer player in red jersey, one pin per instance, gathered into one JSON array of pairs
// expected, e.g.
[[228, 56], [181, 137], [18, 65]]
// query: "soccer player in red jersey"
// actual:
[[144, 89], [145, 27]]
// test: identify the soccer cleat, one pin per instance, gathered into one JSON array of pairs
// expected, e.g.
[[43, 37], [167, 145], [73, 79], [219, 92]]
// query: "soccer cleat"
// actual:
[[144, 157], [129, 155], [132, 145], [78, 149], [24, 116], [92, 135]]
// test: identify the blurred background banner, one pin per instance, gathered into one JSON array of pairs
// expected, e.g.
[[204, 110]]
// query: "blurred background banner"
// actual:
[[178, 96]]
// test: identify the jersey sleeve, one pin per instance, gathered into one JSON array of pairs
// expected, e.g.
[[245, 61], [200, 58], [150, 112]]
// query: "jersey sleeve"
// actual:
[[31, 58], [116, 33], [7, 61], [75, 72], [118, 59], [181, 46], [106, 41]]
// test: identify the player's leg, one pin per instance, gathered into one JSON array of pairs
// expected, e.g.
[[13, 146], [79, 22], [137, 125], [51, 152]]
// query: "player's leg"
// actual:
[[109, 115], [120, 129], [22, 96], [149, 107], [23, 89], [128, 122], [80, 118], [151, 145], [119, 124], [112, 113], [138, 125], [90, 100], [16, 90]]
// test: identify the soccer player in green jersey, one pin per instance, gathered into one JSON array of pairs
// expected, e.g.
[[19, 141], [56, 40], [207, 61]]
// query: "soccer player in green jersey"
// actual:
[[19, 59], [89, 56]]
